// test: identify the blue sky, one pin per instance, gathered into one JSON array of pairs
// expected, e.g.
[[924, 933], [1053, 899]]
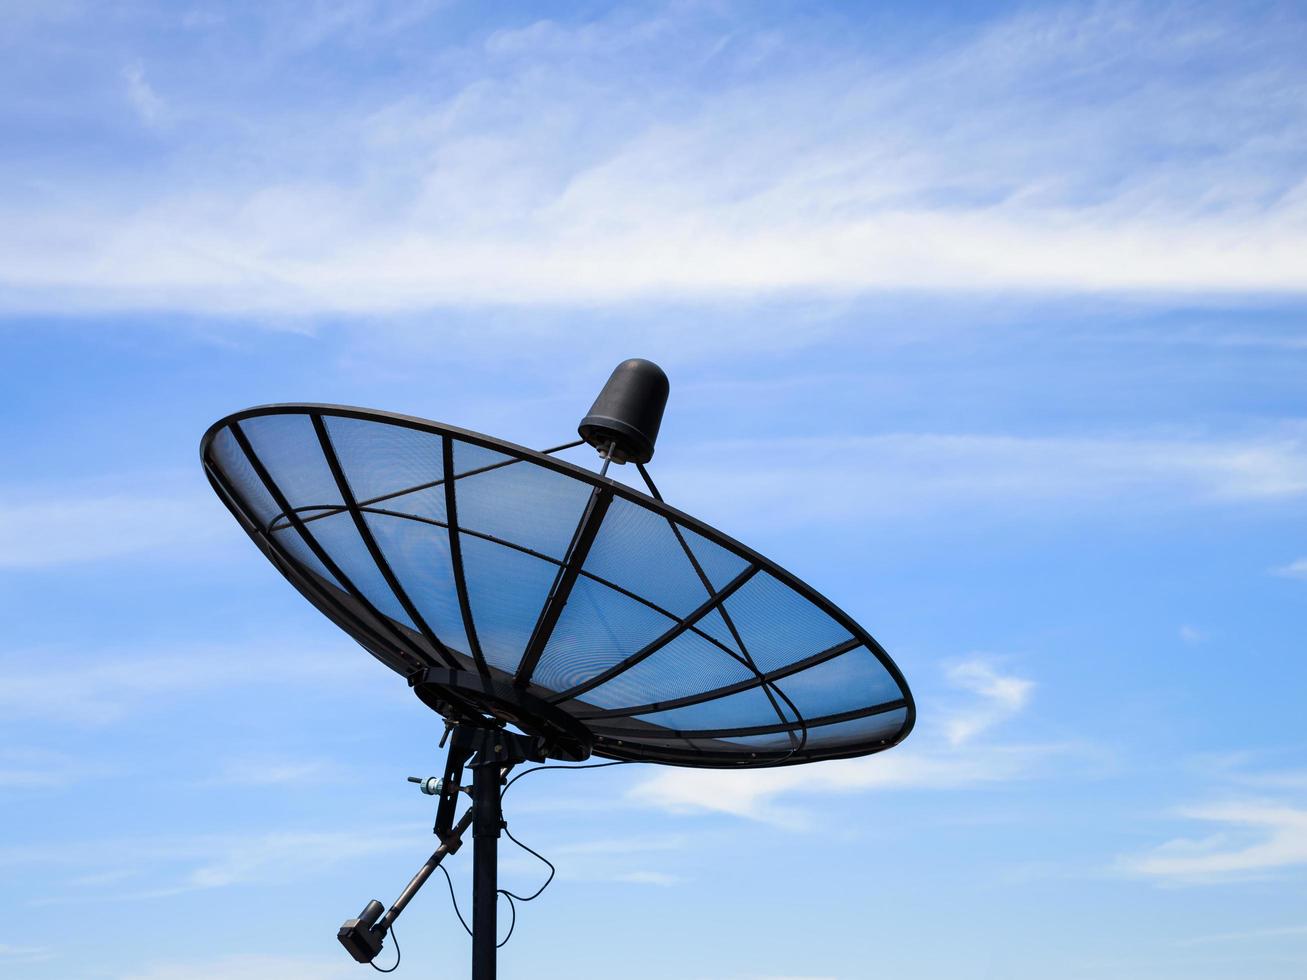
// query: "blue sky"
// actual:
[[987, 320]]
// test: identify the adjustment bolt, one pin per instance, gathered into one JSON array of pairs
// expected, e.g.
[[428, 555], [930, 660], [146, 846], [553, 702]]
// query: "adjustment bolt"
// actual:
[[431, 785]]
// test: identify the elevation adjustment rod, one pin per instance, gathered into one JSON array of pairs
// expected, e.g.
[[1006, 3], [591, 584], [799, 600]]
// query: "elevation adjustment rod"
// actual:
[[363, 937]]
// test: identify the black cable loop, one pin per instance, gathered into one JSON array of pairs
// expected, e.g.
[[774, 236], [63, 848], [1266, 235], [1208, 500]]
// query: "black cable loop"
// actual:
[[454, 899], [512, 924], [592, 765], [511, 896], [394, 966], [540, 857]]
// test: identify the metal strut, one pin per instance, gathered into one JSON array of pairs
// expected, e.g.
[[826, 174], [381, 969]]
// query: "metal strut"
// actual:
[[490, 753]]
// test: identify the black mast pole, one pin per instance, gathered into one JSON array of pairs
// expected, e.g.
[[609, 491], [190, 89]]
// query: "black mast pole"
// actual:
[[486, 823]]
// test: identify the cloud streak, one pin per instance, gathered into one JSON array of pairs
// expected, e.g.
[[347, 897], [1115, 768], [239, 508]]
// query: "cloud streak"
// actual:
[[914, 473], [109, 687], [22, 769], [273, 772], [754, 794], [1001, 696], [252, 967], [143, 98], [1255, 838], [531, 165], [939, 759], [1294, 569], [166, 866], [40, 531], [614, 860], [25, 954]]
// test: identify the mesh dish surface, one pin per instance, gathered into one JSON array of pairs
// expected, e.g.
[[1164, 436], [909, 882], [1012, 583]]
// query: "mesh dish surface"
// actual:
[[665, 639]]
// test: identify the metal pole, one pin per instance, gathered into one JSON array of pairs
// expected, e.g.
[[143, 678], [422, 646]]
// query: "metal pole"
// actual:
[[485, 864]]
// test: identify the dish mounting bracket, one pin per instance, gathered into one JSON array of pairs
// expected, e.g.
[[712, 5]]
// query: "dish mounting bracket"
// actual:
[[490, 752]]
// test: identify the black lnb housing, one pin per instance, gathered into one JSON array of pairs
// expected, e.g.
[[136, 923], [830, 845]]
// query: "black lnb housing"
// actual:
[[360, 937], [623, 422]]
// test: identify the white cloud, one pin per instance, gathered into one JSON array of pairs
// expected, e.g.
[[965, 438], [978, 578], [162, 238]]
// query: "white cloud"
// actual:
[[110, 686], [1295, 569], [149, 107], [1001, 696], [580, 165], [752, 793], [618, 860], [133, 869], [905, 473], [1256, 837], [1192, 634], [623, 845], [163, 866], [273, 772], [40, 530], [36, 768], [660, 878], [25, 954], [16, 778], [249, 968], [1282, 780], [941, 755], [1246, 934], [279, 856]]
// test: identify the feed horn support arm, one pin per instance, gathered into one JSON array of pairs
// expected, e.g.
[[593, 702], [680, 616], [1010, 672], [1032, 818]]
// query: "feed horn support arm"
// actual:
[[490, 753]]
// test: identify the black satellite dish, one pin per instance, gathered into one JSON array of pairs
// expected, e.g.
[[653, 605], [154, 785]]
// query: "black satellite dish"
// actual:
[[511, 588]]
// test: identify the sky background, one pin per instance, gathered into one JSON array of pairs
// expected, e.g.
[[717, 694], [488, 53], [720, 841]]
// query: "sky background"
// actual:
[[985, 319]]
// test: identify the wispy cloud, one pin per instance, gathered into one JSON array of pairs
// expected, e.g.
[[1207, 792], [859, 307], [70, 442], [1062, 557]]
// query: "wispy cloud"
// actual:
[[531, 166], [1255, 838], [906, 473], [36, 768], [165, 866], [1295, 569], [754, 793], [620, 860], [1245, 935], [1281, 780], [277, 856], [624, 845], [130, 869], [24, 954], [1000, 697], [248, 968], [273, 772], [41, 529], [111, 686], [942, 755], [149, 107], [660, 878]]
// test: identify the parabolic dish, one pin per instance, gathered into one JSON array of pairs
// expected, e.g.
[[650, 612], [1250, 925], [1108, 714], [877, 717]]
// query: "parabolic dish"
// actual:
[[502, 581]]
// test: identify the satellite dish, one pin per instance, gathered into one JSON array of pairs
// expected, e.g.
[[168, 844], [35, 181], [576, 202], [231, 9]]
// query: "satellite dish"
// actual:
[[545, 610]]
